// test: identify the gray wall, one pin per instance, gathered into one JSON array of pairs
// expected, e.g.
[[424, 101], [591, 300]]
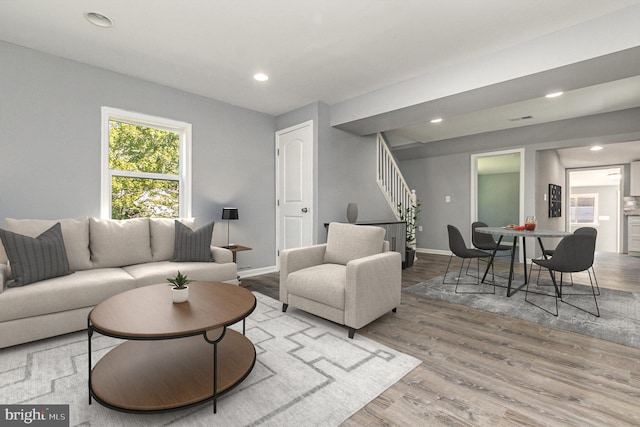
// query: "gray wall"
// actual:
[[345, 170], [550, 171], [50, 146], [499, 199], [434, 178], [443, 168]]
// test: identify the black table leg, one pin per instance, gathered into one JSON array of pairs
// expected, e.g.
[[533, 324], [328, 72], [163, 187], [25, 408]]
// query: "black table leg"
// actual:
[[490, 263], [513, 257]]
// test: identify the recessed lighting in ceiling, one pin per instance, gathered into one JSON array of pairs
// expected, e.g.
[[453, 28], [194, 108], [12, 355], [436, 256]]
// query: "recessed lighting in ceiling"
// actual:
[[261, 77], [437, 120], [596, 148], [99, 19], [553, 95]]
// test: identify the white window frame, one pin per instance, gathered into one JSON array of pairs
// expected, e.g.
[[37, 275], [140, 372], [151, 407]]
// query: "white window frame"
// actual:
[[183, 130], [593, 196]]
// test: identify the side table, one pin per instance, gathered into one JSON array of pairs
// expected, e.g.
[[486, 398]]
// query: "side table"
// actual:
[[236, 248]]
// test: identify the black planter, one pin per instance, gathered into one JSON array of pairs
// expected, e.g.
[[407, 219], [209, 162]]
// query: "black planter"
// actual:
[[410, 255]]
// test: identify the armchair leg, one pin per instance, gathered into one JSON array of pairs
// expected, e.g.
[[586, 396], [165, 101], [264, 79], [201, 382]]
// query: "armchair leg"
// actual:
[[352, 332], [284, 307]]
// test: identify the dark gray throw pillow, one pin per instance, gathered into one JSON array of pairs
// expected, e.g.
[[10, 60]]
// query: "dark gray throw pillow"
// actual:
[[192, 245], [35, 259]]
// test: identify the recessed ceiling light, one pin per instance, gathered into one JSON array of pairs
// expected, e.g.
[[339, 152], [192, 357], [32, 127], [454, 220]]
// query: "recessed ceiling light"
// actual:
[[438, 120], [99, 19], [596, 148], [261, 77], [554, 94]]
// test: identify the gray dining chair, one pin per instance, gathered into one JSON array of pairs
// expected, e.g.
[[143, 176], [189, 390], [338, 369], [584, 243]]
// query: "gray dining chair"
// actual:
[[484, 241], [589, 231], [459, 249], [574, 253]]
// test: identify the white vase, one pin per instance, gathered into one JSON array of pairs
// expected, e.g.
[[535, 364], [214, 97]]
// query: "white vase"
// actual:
[[352, 212], [180, 295]]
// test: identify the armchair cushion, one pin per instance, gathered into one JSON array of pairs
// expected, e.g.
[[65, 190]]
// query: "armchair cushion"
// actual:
[[346, 242], [323, 283]]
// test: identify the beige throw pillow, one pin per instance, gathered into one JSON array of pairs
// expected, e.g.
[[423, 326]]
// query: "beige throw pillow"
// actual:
[[116, 243], [75, 232], [163, 236], [346, 242]]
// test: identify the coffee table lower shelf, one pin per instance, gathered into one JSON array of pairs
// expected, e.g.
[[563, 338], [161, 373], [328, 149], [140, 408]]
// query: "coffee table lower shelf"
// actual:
[[163, 375]]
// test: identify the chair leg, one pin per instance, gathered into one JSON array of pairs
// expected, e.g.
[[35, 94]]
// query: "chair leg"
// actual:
[[593, 292], [477, 280], [557, 291], [352, 332], [284, 307]]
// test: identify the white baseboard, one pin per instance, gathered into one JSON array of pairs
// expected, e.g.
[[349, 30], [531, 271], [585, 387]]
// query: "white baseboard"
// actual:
[[433, 251], [257, 271]]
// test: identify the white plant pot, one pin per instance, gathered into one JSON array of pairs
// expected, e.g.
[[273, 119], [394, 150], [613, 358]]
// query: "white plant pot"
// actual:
[[180, 295]]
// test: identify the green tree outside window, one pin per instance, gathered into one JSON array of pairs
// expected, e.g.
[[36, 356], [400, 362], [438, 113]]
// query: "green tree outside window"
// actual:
[[145, 168]]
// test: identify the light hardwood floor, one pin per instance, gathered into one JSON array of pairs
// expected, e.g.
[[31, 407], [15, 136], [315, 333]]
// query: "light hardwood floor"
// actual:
[[483, 369]]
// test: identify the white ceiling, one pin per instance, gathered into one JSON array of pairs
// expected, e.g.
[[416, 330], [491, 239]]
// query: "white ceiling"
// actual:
[[329, 50], [324, 50], [595, 178], [611, 154], [602, 98]]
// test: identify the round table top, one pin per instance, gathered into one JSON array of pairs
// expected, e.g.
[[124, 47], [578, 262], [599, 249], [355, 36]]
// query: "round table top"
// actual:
[[149, 312], [533, 233]]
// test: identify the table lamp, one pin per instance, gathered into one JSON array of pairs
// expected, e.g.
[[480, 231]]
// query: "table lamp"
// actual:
[[229, 214]]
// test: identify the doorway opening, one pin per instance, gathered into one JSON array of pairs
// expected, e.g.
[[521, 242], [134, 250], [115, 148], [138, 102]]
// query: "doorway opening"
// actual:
[[497, 188], [595, 200]]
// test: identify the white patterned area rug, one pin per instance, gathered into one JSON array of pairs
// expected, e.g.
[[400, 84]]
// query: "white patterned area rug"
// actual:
[[307, 373]]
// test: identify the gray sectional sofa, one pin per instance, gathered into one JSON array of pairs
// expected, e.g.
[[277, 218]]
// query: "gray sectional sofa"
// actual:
[[106, 257]]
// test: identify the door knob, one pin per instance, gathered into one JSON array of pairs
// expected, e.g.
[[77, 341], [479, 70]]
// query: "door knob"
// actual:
[[305, 210]]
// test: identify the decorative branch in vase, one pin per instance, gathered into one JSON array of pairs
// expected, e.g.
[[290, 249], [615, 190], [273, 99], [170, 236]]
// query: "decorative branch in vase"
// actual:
[[410, 214]]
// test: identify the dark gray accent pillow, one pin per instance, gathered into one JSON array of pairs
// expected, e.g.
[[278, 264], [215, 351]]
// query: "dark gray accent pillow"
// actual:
[[192, 245], [34, 259]]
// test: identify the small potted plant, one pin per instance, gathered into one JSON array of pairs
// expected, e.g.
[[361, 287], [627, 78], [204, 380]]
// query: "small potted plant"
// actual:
[[179, 290]]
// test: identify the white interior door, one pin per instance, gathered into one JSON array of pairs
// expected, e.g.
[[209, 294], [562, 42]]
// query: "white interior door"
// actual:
[[294, 204]]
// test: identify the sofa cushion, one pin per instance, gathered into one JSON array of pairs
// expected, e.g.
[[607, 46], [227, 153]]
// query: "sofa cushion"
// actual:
[[115, 243], [158, 272], [324, 283], [75, 232], [163, 236], [34, 259], [193, 245], [80, 289], [346, 242]]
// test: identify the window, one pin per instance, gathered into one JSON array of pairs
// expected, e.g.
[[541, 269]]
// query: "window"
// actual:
[[146, 163], [583, 208]]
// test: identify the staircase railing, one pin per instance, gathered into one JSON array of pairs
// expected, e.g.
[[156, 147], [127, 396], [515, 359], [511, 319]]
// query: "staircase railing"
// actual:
[[400, 197]]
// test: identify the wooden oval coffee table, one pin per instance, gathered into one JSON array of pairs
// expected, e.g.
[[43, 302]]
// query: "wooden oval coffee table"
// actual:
[[177, 355]]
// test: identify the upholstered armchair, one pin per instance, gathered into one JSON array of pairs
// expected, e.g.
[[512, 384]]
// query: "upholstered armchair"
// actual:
[[352, 279]]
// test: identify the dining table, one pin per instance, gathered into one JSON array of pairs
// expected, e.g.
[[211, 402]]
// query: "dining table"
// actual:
[[503, 232]]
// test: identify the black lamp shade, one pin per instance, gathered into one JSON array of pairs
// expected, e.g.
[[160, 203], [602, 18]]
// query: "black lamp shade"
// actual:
[[229, 213]]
